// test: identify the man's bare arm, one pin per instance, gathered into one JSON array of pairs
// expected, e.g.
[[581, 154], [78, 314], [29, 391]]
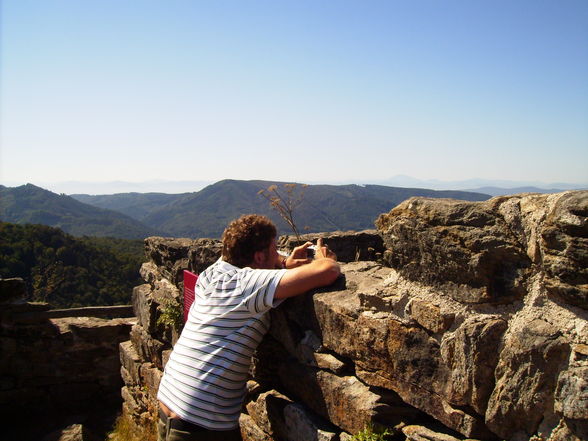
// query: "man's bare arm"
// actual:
[[322, 271]]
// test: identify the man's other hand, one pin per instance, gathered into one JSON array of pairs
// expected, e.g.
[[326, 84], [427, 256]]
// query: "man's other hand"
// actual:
[[299, 256]]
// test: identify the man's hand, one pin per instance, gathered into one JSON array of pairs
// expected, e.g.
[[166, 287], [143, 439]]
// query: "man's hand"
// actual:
[[323, 251], [320, 271], [298, 257]]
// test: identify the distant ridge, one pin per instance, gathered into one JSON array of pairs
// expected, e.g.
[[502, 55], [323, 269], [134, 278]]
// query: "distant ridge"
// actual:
[[499, 191], [206, 213], [29, 204], [493, 187]]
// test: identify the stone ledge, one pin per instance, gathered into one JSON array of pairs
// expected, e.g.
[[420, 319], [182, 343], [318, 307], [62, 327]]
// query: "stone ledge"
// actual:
[[122, 311]]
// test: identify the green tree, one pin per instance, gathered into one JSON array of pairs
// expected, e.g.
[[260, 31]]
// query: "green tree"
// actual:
[[66, 271]]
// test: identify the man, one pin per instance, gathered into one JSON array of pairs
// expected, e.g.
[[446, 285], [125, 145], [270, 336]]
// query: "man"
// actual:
[[203, 386]]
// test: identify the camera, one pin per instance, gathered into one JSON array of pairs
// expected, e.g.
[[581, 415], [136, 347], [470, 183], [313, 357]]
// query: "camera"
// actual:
[[311, 251]]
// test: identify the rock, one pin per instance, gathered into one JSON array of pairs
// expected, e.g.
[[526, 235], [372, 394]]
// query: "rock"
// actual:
[[12, 290], [130, 360], [132, 405], [417, 372], [150, 273], [251, 431], [203, 253], [268, 413], [145, 308], [254, 389], [150, 378], [305, 346], [465, 246], [429, 316], [170, 256], [329, 362], [276, 416], [163, 291], [126, 376], [526, 377], [302, 426], [165, 357], [349, 246], [266, 361], [75, 432], [344, 401], [482, 251], [468, 354], [148, 348], [420, 433], [388, 351], [571, 400], [571, 396], [564, 248], [94, 330], [563, 433]]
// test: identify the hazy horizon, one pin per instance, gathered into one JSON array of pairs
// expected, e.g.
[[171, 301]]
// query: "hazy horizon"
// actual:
[[301, 91], [171, 187]]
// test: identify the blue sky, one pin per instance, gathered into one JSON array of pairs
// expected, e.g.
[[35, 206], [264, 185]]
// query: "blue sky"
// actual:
[[308, 91]]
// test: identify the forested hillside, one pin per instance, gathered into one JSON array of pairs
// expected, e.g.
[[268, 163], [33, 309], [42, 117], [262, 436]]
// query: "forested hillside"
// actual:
[[70, 272], [135, 205], [207, 212], [29, 204]]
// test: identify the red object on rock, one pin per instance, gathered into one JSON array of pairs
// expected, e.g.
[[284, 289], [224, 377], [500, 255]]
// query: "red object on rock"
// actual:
[[189, 284]]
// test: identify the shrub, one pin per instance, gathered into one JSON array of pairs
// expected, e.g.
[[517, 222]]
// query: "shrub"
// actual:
[[371, 434]]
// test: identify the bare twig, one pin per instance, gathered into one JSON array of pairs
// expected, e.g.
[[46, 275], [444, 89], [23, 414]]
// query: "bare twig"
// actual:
[[285, 203]]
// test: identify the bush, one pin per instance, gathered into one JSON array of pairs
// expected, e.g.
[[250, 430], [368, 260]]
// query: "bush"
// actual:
[[371, 434]]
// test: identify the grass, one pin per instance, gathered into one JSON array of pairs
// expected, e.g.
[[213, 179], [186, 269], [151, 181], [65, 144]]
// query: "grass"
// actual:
[[125, 429]]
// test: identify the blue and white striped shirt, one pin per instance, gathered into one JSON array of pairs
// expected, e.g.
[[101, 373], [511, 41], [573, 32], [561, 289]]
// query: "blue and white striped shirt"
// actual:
[[204, 379]]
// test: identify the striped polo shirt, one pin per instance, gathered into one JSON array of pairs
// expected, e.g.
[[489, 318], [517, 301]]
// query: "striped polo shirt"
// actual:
[[205, 377]]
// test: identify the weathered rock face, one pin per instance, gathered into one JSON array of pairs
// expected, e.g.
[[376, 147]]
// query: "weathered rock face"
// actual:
[[503, 361], [484, 252], [349, 246], [172, 256], [52, 368], [467, 247], [473, 325], [564, 248]]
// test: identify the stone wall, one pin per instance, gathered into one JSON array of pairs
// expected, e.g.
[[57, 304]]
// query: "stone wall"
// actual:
[[57, 367], [472, 322]]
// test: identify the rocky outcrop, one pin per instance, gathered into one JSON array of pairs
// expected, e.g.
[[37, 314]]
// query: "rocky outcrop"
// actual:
[[511, 275], [472, 322], [487, 252], [55, 368]]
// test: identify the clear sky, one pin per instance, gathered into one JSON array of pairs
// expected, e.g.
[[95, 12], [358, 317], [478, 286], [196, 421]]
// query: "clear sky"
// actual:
[[304, 90]]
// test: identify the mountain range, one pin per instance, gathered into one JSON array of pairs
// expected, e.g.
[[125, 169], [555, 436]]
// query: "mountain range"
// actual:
[[29, 204], [206, 213], [493, 187]]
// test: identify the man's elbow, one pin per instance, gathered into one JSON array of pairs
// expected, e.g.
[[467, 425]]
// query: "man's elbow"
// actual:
[[330, 271]]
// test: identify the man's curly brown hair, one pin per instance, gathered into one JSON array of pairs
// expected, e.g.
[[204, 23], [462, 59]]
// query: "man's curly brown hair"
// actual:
[[246, 235]]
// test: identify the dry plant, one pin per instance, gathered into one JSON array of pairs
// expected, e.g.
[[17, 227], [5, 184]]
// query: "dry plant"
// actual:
[[285, 202], [126, 429]]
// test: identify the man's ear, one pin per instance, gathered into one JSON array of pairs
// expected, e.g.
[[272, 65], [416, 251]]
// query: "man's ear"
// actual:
[[258, 259]]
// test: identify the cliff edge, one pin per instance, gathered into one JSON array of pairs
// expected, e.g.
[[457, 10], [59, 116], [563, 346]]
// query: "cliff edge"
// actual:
[[469, 321]]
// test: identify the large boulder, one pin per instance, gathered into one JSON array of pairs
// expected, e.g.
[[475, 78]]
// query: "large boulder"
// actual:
[[485, 252], [467, 247]]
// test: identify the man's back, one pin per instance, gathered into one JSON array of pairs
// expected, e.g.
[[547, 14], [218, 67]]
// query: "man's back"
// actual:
[[205, 377]]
